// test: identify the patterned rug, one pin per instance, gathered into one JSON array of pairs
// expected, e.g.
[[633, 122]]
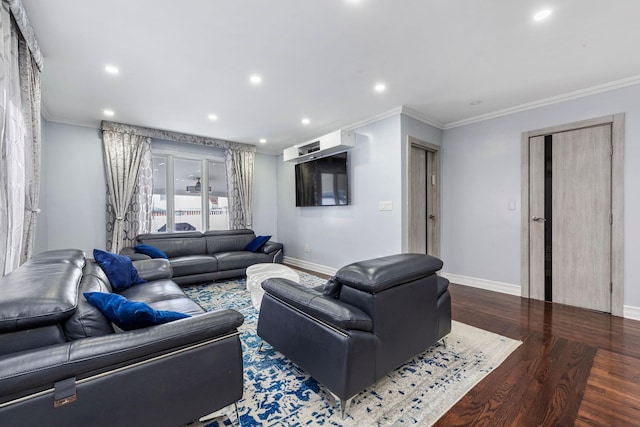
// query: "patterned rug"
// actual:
[[278, 393]]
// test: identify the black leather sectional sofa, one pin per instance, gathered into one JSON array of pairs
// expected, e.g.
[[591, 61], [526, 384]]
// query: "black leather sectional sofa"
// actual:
[[201, 257], [62, 363]]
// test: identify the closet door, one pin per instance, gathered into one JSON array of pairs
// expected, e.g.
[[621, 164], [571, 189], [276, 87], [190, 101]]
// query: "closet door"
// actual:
[[570, 217], [581, 228]]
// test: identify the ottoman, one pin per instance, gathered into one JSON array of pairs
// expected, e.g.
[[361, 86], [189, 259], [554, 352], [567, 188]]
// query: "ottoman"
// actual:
[[258, 273]]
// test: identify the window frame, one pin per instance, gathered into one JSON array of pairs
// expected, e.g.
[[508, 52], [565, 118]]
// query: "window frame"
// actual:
[[170, 155]]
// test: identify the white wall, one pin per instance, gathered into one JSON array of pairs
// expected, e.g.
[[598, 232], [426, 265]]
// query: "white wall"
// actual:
[[339, 235], [481, 173], [73, 190], [265, 196]]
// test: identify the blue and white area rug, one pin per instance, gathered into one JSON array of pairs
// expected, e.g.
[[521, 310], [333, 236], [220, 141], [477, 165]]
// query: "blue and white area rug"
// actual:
[[278, 393]]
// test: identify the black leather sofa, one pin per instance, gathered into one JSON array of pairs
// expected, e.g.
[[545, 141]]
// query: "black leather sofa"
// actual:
[[63, 364], [369, 319], [203, 257]]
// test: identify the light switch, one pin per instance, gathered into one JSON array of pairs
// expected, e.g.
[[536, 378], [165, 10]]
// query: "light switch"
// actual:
[[512, 205], [386, 205]]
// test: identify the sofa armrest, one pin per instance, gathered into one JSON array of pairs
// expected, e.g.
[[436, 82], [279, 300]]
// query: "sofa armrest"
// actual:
[[154, 269], [88, 356], [317, 305], [271, 247]]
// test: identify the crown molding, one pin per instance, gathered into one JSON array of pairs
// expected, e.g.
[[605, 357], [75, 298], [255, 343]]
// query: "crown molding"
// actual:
[[421, 117], [617, 84], [385, 115], [52, 119]]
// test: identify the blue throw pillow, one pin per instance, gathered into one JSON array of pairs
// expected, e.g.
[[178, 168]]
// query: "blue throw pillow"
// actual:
[[118, 268], [150, 251], [257, 243], [128, 315]]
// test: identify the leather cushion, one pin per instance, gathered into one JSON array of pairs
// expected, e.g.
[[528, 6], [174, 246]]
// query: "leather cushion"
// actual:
[[240, 259], [151, 251], [376, 275], [176, 244], [228, 240], [87, 320], [70, 256], [182, 305], [193, 264], [154, 291], [38, 295], [312, 302], [331, 288], [28, 339], [153, 269], [443, 285]]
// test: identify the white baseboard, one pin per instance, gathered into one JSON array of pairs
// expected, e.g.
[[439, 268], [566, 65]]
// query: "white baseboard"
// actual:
[[505, 288], [630, 312], [329, 271]]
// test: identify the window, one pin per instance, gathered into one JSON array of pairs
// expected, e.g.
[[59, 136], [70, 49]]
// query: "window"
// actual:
[[180, 183]]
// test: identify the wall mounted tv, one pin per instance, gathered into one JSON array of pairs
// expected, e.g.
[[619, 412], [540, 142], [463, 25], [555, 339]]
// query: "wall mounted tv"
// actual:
[[323, 181]]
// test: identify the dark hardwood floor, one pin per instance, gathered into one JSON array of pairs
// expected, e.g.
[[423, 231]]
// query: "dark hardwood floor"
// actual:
[[574, 367]]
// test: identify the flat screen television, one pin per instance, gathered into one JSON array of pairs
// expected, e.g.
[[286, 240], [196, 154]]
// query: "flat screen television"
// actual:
[[323, 181]]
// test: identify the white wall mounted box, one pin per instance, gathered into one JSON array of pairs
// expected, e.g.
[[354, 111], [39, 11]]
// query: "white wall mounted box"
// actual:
[[331, 143]]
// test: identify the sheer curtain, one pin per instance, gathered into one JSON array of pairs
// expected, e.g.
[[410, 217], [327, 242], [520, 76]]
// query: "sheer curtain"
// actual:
[[19, 135], [240, 187], [123, 156]]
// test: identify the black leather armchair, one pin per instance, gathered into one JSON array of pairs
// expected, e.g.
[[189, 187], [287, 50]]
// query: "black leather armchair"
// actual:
[[369, 319]]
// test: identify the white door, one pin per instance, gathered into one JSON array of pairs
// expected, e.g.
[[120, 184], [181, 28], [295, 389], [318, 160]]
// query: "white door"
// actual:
[[570, 197]]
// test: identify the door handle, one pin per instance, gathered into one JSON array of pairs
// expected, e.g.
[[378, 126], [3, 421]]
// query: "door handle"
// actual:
[[432, 216], [537, 218]]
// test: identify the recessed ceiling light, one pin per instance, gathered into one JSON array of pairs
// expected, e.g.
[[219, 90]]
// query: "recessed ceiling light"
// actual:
[[306, 121], [108, 112], [542, 15], [255, 79], [263, 141], [111, 69], [212, 117], [380, 87]]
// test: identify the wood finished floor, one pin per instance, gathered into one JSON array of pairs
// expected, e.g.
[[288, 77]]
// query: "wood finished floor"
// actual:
[[575, 367]]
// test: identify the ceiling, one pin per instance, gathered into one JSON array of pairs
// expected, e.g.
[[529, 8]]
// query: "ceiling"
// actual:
[[448, 62]]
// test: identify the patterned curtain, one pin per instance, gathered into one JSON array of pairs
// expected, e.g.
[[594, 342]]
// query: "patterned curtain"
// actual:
[[142, 199], [239, 159], [240, 187], [30, 92], [19, 135], [123, 156]]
